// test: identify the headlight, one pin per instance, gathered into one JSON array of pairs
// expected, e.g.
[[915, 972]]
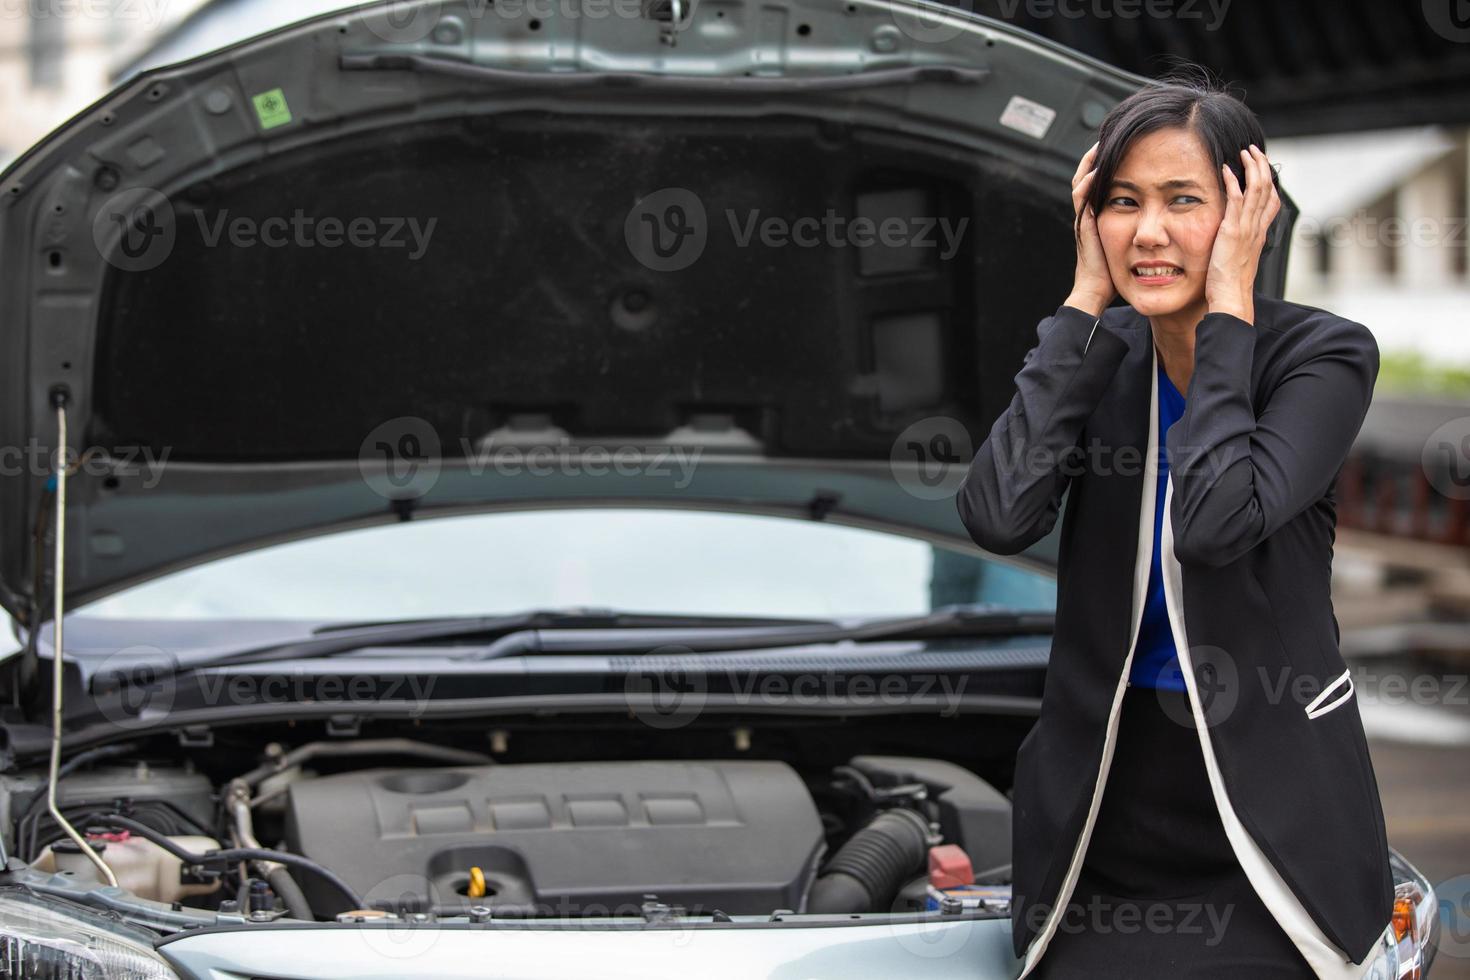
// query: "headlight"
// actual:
[[44, 941], [1415, 926], [1414, 910]]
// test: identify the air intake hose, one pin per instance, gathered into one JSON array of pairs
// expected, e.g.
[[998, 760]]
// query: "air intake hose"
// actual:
[[867, 872]]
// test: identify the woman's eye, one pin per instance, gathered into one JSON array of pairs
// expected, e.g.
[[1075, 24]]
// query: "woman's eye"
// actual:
[[1186, 199], [1120, 202]]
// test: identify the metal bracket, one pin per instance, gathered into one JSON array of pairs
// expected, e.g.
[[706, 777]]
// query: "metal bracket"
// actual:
[[656, 912], [344, 726], [672, 16], [196, 737]]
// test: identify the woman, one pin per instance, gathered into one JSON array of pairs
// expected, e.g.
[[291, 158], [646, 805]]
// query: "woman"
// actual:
[[1196, 798]]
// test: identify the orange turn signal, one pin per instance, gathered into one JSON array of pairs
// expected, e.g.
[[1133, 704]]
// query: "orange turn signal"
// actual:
[[1403, 917]]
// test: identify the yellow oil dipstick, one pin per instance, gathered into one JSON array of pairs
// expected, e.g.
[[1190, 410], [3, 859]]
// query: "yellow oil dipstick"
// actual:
[[476, 887]]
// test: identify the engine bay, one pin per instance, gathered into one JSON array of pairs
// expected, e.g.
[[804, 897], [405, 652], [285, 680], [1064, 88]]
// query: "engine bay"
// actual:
[[566, 838], [354, 828]]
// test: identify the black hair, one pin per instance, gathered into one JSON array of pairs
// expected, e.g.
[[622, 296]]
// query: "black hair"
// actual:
[[1187, 98]]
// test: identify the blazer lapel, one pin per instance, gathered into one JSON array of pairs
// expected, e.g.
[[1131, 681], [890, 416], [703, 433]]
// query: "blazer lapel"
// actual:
[[1147, 485], [1125, 428]]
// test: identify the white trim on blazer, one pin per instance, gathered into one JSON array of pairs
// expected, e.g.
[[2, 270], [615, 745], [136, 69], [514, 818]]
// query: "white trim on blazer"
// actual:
[[1317, 709]]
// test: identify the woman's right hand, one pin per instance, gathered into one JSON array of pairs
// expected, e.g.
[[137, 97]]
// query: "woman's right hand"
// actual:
[[1092, 285]]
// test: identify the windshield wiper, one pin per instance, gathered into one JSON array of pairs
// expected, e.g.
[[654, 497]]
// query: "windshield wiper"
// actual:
[[944, 622], [544, 632], [336, 639]]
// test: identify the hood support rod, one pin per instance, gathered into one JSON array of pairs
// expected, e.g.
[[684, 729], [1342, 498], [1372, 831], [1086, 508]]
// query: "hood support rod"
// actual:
[[58, 579]]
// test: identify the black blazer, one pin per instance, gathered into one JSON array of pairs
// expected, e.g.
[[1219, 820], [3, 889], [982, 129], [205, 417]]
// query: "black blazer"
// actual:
[[1271, 412]]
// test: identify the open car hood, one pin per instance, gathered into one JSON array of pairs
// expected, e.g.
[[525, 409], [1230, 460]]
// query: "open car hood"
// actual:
[[436, 229]]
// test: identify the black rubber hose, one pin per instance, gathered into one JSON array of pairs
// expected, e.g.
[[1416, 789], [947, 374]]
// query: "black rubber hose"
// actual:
[[867, 872], [291, 894], [229, 854]]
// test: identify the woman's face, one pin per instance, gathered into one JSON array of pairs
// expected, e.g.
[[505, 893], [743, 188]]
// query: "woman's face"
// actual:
[[1159, 220]]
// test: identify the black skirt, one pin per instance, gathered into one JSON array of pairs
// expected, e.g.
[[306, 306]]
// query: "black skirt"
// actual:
[[1161, 893]]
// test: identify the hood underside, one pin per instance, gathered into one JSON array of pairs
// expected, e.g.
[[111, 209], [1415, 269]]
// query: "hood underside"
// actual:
[[435, 229]]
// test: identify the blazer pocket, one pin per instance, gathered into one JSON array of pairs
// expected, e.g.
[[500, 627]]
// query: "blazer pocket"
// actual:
[[1336, 694]]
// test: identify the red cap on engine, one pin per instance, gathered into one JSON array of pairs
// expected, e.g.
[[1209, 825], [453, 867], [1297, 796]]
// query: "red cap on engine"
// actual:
[[949, 867]]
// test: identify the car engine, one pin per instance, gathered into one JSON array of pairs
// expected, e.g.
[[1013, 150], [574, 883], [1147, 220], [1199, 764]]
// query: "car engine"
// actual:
[[565, 838], [454, 833]]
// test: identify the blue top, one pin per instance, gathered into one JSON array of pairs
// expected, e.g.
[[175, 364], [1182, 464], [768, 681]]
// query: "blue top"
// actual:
[[1155, 660]]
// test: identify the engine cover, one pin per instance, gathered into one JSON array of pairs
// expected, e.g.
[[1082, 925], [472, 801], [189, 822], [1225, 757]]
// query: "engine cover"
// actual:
[[563, 839]]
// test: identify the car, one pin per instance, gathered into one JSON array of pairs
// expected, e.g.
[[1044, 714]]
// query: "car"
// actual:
[[504, 523]]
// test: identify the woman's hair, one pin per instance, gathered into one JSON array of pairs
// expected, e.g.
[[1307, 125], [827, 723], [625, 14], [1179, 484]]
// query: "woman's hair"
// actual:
[[1187, 98]]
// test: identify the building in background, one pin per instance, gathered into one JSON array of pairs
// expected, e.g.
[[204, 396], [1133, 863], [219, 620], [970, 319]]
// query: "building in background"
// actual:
[[59, 56], [1382, 239], [1382, 236]]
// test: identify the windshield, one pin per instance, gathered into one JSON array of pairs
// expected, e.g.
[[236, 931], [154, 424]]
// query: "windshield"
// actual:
[[682, 562]]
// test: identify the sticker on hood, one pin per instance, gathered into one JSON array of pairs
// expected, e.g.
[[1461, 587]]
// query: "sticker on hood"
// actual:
[[1031, 118]]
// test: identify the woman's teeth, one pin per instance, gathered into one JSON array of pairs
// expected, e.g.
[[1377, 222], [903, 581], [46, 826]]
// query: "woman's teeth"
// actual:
[[1151, 271]]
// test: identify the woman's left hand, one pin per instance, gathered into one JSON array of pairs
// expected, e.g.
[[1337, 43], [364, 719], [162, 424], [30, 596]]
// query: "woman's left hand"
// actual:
[[1230, 281]]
